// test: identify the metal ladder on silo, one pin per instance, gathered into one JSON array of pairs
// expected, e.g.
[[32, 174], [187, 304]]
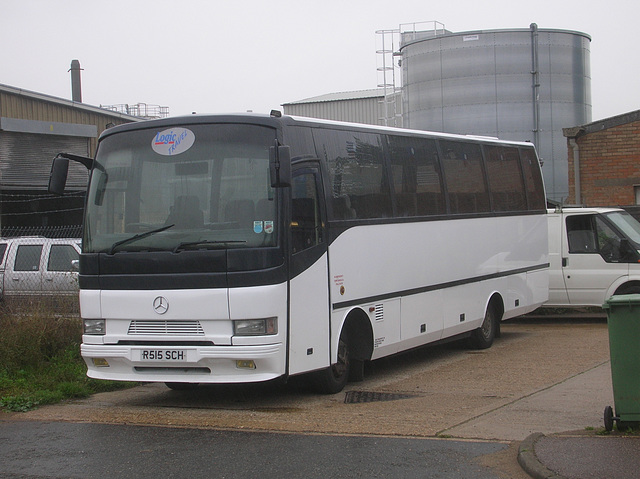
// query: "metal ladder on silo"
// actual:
[[389, 108]]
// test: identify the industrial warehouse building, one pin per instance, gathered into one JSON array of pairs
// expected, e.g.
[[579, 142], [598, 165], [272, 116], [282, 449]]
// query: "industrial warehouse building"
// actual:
[[33, 129], [362, 106]]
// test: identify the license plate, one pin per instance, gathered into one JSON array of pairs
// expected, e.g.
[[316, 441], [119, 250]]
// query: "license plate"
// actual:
[[163, 355]]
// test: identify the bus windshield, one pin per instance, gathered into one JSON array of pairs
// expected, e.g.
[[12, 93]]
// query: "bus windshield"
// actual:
[[197, 187]]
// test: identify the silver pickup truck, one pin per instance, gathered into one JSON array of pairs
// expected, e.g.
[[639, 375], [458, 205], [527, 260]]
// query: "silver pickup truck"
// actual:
[[36, 265]]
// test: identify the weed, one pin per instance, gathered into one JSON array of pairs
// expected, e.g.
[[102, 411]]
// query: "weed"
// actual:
[[18, 403], [40, 359]]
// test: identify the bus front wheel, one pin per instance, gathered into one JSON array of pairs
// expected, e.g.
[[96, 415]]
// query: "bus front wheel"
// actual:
[[333, 379]]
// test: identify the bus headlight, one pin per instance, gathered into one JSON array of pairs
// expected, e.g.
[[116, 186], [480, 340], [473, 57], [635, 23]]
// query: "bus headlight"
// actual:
[[255, 327], [94, 327]]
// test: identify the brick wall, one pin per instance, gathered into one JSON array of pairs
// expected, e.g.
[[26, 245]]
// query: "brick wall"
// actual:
[[609, 165]]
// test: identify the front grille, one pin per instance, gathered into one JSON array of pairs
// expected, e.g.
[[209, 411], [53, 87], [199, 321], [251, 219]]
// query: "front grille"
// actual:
[[169, 370], [184, 342], [173, 328]]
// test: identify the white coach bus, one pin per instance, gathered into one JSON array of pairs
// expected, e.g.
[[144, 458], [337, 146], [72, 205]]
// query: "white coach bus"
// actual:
[[244, 248]]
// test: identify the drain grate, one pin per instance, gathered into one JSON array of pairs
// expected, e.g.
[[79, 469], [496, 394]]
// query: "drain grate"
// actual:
[[355, 397]]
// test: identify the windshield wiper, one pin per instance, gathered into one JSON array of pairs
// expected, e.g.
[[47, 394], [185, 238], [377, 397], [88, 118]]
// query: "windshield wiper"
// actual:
[[182, 246], [137, 237]]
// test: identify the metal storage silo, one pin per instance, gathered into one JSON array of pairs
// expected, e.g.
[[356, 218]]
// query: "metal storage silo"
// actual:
[[520, 84]]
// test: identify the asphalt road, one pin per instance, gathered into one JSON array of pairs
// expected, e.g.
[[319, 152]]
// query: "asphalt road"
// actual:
[[60, 449], [443, 411]]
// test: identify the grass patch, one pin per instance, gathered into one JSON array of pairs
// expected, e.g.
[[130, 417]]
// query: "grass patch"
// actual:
[[40, 360]]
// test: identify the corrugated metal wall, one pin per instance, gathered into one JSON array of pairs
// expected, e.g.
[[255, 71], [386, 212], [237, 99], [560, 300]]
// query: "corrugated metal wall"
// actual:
[[29, 108], [25, 160], [364, 110]]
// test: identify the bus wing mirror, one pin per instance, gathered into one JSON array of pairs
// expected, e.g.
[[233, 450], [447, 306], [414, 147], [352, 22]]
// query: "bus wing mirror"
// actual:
[[58, 175], [60, 170], [280, 165]]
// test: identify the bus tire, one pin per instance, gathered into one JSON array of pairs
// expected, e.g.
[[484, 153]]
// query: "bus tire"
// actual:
[[356, 370], [482, 338], [333, 379]]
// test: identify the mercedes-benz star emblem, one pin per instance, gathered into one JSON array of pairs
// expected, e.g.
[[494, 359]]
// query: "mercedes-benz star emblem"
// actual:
[[160, 305]]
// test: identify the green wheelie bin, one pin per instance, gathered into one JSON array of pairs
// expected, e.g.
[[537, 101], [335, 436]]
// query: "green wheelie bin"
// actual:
[[623, 314]]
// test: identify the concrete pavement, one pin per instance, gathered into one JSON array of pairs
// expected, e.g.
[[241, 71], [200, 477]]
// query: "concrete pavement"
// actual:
[[559, 452], [579, 401], [572, 456]]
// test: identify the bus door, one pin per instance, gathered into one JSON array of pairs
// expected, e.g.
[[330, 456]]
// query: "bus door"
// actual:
[[309, 276]]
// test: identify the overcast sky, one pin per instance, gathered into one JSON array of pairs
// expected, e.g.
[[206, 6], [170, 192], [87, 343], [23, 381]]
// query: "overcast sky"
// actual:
[[221, 56]]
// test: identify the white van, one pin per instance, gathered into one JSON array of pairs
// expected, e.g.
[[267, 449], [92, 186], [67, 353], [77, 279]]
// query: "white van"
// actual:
[[35, 265], [594, 253]]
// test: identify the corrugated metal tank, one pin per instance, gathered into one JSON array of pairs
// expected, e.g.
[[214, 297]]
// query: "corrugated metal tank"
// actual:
[[521, 84]]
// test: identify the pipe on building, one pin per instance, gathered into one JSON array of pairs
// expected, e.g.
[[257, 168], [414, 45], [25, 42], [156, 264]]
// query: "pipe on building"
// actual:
[[76, 88], [535, 84], [576, 169]]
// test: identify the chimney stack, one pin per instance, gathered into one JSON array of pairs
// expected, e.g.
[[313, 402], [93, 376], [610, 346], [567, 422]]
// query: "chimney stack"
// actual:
[[76, 89]]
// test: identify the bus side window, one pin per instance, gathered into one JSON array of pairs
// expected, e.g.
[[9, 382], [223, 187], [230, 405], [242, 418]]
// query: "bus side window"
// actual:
[[357, 170], [465, 178], [306, 223], [532, 178], [505, 178]]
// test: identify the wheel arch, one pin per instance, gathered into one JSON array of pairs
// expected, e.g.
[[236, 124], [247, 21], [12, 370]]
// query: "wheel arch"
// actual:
[[497, 302], [358, 327], [626, 288]]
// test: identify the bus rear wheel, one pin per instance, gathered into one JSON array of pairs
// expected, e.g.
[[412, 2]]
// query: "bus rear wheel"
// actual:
[[482, 338], [333, 379]]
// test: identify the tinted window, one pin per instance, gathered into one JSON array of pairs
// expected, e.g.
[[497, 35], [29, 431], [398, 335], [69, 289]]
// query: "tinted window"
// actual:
[[28, 258], [306, 222], [60, 257], [416, 176], [533, 179], [358, 181], [505, 178], [464, 176], [300, 140], [3, 250]]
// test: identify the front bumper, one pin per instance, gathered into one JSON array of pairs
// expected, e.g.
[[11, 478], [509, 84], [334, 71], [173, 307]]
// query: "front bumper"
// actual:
[[196, 364]]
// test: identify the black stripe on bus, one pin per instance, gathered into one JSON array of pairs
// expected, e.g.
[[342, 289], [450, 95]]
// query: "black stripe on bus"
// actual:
[[436, 287]]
